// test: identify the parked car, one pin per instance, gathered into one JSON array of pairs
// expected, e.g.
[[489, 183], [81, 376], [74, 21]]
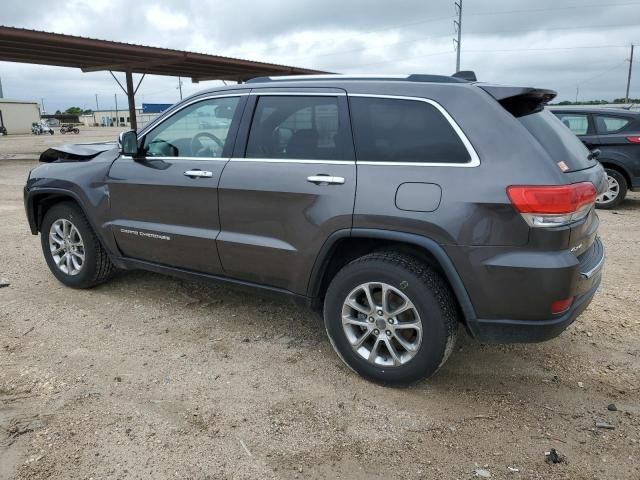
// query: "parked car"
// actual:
[[616, 133], [400, 207]]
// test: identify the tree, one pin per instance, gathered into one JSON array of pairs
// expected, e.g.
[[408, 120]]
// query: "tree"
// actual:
[[73, 111], [87, 112], [623, 100], [58, 112]]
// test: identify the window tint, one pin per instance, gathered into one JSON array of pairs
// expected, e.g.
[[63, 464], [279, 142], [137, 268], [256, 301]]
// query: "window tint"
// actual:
[[610, 124], [560, 143], [297, 127], [578, 124], [199, 130], [390, 130]]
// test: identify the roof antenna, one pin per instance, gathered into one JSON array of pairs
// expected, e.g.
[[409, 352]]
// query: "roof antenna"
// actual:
[[468, 75]]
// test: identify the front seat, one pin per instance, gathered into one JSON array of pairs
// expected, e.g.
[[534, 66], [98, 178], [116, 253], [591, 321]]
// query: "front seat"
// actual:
[[303, 144]]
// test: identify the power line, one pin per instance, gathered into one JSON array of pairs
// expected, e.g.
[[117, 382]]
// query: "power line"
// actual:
[[500, 50], [544, 29], [542, 49], [412, 40], [593, 77], [533, 10]]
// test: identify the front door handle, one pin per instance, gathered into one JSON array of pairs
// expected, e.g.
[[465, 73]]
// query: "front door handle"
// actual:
[[328, 179], [198, 173]]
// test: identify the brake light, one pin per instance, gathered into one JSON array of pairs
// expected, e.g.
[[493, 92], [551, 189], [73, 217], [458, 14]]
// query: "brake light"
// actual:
[[553, 205], [634, 139]]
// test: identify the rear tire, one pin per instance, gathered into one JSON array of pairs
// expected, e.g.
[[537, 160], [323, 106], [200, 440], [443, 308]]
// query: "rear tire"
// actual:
[[411, 345], [66, 231], [616, 192]]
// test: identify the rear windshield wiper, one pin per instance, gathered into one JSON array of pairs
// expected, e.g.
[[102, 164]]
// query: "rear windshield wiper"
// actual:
[[595, 153]]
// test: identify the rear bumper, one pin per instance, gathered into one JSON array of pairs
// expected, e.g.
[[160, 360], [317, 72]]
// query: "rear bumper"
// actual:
[[531, 331], [538, 329]]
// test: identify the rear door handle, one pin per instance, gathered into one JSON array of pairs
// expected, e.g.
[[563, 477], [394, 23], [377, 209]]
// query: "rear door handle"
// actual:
[[198, 173], [328, 179]]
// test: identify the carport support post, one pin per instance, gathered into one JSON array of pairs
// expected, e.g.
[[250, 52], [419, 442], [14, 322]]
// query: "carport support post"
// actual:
[[132, 102]]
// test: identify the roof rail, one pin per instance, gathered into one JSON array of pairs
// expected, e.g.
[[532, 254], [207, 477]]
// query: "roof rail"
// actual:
[[416, 77]]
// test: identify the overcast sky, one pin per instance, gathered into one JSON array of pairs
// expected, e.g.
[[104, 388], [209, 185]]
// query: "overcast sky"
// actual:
[[564, 45]]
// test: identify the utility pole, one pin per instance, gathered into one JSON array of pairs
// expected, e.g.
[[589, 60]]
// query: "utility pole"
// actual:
[[577, 91], [626, 96], [180, 87], [97, 110], [458, 27], [115, 96], [42, 103], [1, 94], [133, 122]]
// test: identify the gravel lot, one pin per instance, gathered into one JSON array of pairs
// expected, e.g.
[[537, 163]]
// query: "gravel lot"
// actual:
[[153, 377], [30, 146]]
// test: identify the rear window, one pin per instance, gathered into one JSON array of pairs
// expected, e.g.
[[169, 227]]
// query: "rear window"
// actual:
[[397, 130], [606, 124], [560, 142], [577, 123]]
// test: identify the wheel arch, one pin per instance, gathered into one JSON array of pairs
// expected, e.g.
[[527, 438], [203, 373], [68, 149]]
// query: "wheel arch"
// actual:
[[39, 201], [345, 245], [614, 165]]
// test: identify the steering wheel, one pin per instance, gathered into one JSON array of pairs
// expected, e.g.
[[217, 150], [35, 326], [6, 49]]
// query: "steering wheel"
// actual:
[[199, 150]]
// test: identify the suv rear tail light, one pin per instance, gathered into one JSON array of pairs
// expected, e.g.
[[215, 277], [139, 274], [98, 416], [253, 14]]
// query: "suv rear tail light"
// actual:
[[554, 205], [634, 139]]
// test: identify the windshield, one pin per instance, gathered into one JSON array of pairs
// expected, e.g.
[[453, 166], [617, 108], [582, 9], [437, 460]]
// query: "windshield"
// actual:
[[560, 142]]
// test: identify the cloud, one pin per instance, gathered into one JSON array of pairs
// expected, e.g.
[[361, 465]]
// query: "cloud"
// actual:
[[579, 44], [166, 20]]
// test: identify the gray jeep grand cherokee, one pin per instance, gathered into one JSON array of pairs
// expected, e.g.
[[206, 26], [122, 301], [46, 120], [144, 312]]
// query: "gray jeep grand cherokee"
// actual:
[[399, 206]]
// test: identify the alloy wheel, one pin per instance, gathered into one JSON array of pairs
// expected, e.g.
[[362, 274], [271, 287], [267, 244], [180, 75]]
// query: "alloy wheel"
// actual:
[[66, 246], [381, 324], [612, 192]]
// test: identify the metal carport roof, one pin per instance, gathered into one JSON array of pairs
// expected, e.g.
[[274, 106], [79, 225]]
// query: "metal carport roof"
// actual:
[[92, 55]]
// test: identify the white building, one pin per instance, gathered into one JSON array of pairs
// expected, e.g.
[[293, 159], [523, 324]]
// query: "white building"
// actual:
[[17, 116], [113, 118]]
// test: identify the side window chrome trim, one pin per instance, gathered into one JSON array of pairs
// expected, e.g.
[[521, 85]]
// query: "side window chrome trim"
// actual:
[[200, 159], [292, 160], [475, 159]]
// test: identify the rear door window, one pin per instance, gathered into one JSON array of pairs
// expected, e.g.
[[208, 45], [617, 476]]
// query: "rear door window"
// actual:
[[559, 142], [607, 124], [397, 130], [577, 123]]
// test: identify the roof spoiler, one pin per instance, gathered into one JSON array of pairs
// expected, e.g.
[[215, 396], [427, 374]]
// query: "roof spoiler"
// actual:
[[520, 101]]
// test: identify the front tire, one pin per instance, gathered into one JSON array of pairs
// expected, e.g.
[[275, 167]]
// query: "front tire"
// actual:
[[616, 190], [72, 249], [391, 318]]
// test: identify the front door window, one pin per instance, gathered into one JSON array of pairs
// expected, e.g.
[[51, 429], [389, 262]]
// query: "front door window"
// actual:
[[199, 130]]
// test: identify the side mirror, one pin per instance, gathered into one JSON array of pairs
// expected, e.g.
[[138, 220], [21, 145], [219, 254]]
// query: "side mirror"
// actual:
[[128, 143]]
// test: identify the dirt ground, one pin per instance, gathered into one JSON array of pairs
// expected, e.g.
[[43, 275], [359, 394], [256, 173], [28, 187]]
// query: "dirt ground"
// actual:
[[152, 377]]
